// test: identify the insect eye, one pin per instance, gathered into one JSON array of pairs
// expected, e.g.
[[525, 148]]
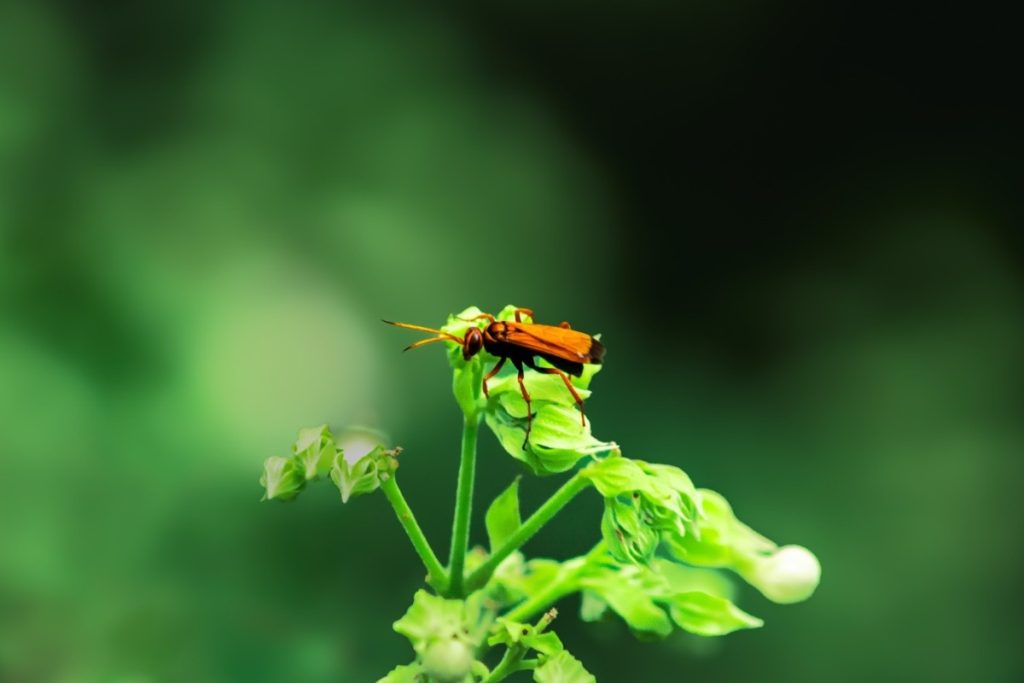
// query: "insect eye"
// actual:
[[474, 342]]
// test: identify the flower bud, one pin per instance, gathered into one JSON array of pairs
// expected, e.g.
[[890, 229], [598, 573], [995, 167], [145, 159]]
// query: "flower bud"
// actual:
[[365, 474], [790, 574], [448, 660], [314, 451], [282, 479], [629, 536]]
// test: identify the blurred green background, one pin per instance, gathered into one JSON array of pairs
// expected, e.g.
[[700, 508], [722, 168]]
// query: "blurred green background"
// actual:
[[796, 225]]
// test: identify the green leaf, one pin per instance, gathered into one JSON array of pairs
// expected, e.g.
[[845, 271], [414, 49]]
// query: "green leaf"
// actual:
[[628, 592], [503, 519], [616, 475], [541, 387], [515, 580], [557, 441], [684, 578], [511, 633], [314, 451], [708, 615], [406, 673], [562, 668], [282, 479], [641, 595]]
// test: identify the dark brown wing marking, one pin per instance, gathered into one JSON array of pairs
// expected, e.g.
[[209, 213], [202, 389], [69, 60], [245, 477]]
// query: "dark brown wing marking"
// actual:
[[567, 366]]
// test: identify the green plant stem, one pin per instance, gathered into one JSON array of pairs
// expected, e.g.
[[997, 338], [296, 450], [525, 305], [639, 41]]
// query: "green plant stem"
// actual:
[[527, 529], [435, 571], [508, 665], [463, 506], [557, 589]]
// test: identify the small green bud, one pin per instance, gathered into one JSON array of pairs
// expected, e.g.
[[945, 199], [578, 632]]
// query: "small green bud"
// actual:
[[790, 574], [448, 660], [282, 479], [362, 476], [314, 451], [629, 536]]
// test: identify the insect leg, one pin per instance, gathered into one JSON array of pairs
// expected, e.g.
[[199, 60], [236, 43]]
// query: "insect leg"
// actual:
[[526, 397], [568, 385], [492, 373], [520, 311]]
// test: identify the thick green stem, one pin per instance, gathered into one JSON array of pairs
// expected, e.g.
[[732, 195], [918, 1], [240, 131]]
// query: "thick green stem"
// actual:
[[463, 506], [527, 529], [435, 571]]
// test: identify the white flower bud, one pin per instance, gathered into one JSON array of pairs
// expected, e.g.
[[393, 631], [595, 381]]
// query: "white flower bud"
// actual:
[[790, 574]]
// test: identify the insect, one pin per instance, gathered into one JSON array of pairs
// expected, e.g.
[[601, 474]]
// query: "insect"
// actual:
[[561, 346]]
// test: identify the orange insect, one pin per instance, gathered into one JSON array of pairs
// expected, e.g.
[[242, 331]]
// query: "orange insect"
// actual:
[[566, 349]]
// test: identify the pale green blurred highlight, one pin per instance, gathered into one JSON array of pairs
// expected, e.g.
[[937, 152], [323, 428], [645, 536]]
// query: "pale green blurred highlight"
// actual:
[[193, 266]]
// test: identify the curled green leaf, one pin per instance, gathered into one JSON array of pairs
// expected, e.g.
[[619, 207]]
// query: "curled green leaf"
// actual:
[[651, 598], [708, 615], [503, 517], [615, 476], [557, 440], [630, 591]]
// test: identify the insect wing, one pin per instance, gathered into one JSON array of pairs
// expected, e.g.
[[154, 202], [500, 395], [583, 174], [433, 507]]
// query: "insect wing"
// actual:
[[560, 342]]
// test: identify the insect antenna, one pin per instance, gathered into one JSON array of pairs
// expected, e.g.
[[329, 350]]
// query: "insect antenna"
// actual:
[[441, 335], [424, 342]]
